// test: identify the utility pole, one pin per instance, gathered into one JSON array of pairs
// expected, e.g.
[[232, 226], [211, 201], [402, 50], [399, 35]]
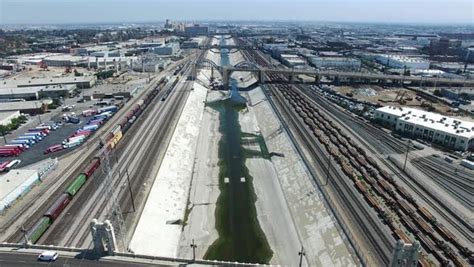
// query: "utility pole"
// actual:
[[130, 189], [406, 155], [301, 253], [193, 246], [327, 170]]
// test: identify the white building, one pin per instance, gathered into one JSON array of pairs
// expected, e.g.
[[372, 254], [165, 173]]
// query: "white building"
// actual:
[[335, 62], [7, 117], [449, 132], [401, 62], [166, 50], [293, 61]]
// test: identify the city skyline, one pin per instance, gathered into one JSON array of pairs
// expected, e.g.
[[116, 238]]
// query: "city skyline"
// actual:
[[106, 11]]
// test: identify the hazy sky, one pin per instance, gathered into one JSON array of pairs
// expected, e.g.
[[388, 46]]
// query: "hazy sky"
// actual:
[[73, 11]]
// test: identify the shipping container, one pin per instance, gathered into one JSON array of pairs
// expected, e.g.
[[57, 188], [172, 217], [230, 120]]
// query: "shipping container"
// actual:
[[74, 187], [38, 229], [92, 167], [58, 206]]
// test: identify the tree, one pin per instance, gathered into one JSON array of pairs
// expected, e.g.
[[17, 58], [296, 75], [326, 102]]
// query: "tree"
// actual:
[[3, 132]]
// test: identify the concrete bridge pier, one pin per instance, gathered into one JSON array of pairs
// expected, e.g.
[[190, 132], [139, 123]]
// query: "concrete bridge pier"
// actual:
[[261, 76], [225, 78]]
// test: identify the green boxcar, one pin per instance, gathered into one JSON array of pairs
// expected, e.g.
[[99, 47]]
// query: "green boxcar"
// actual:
[[38, 230], [76, 185]]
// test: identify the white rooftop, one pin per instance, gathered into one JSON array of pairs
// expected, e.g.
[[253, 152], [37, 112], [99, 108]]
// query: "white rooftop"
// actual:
[[432, 120]]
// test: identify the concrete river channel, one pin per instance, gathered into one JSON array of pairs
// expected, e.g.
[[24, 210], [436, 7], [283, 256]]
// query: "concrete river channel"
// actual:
[[240, 236]]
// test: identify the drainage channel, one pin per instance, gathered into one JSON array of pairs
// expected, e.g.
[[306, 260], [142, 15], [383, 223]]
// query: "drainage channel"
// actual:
[[240, 238]]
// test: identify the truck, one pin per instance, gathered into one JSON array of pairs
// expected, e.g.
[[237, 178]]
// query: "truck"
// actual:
[[89, 112], [70, 139], [24, 143], [44, 132], [72, 144], [21, 147], [107, 109], [53, 149], [29, 140], [38, 135], [92, 127], [12, 164], [103, 116], [33, 137]]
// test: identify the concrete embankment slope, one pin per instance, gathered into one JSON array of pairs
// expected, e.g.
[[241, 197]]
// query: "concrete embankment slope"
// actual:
[[316, 229], [155, 234]]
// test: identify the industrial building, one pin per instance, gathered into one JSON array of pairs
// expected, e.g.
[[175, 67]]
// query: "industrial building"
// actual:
[[402, 62], [38, 92], [167, 49], [196, 29], [64, 60], [80, 82], [292, 61], [448, 132], [15, 184], [7, 117], [335, 62], [28, 107], [456, 93]]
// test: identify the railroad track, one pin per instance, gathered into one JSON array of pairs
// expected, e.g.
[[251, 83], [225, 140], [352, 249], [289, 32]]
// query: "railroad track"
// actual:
[[460, 224], [376, 237], [406, 212], [85, 153], [130, 157]]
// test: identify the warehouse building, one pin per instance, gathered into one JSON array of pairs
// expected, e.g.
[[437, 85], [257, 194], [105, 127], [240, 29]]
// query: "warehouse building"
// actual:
[[335, 62], [167, 49], [38, 92], [80, 82], [28, 107], [293, 61], [402, 62], [449, 132], [14, 184]]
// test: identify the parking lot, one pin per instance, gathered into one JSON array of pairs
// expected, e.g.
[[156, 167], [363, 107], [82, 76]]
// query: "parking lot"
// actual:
[[36, 151]]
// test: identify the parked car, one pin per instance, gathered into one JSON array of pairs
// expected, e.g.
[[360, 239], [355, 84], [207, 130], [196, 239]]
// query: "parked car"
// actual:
[[48, 256]]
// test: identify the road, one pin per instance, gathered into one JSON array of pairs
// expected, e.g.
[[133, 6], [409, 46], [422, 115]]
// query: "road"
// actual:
[[8, 259]]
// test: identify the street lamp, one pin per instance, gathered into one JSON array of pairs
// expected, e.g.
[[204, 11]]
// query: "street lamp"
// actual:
[[406, 155], [301, 253], [193, 246]]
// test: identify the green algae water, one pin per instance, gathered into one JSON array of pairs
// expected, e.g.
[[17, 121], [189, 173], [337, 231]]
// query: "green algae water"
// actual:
[[240, 236]]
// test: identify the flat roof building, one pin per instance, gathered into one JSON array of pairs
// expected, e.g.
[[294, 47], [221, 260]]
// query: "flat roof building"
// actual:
[[335, 62], [442, 130], [15, 184], [79, 81], [37, 92], [401, 62]]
